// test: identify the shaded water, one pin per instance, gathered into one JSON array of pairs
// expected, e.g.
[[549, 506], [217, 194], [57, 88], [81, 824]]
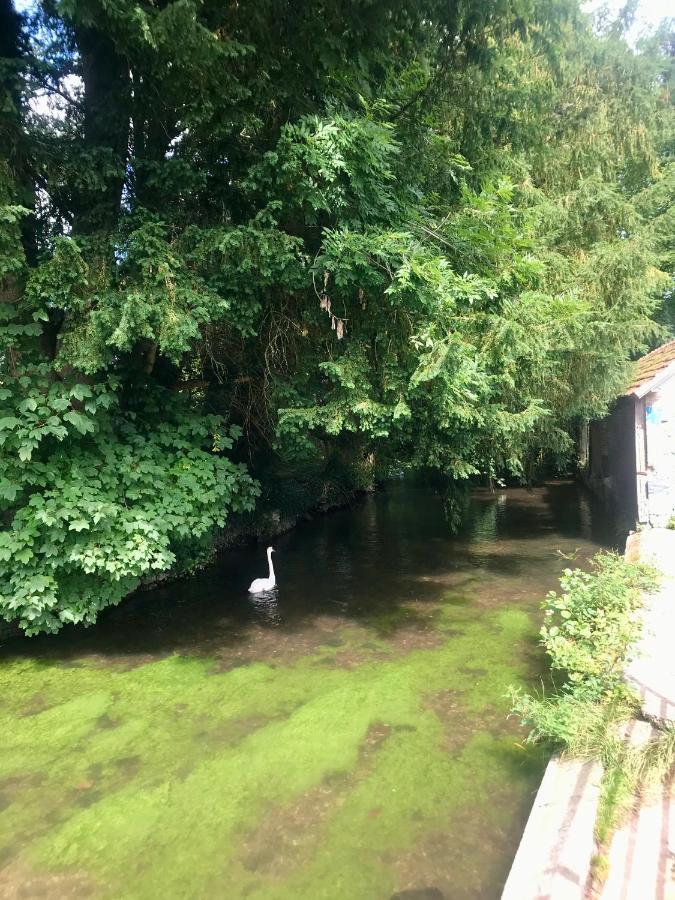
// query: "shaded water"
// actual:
[[346, 738]]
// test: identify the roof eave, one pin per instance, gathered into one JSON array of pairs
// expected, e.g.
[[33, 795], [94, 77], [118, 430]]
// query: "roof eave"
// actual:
[[664, 375]]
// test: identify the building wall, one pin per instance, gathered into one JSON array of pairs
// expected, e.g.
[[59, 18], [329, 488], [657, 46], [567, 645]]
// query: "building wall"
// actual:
[[611, 468], [631, 457], [660, 431]]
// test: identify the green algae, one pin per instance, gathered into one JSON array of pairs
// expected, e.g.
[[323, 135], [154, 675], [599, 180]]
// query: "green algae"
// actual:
[[154, 780]]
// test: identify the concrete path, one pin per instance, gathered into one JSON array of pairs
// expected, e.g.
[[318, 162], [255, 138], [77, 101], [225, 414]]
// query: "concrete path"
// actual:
[[652, 672]]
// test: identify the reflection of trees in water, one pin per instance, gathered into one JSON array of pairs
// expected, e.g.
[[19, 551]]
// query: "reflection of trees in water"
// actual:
[[484, 522], [570, 508], [350, 544], [585, 516], [563, 507], [576, 511]]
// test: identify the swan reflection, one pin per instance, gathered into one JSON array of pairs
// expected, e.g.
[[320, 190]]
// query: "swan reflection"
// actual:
[[265, 607]]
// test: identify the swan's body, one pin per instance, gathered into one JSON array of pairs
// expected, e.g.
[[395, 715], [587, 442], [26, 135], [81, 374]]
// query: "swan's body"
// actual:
[[265, 584]]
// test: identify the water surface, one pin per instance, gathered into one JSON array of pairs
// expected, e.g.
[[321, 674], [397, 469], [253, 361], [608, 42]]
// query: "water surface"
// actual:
[[347, 738]]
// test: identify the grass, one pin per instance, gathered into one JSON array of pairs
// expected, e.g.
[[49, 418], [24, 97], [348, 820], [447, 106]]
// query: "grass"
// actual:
[[630, 771]]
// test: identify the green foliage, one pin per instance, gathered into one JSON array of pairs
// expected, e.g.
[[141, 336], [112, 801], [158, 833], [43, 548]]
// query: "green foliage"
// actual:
[[151, 295], [106, 500], [592, 625], [339, 166], [589, 632], [590, 629], [423, 234], [579, 725]]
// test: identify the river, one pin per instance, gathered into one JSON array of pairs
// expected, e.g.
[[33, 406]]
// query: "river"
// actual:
[[347, 740]]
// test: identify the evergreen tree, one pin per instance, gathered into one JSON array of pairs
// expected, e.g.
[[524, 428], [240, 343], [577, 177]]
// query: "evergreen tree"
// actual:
[[308, 236]]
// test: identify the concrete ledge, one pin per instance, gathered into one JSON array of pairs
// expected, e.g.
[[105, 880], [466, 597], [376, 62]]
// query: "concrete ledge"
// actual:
[[641, 853], [554, 857]]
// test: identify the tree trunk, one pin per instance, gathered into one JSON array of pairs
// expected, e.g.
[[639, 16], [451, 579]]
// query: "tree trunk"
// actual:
[[12, 138], [107, 104]]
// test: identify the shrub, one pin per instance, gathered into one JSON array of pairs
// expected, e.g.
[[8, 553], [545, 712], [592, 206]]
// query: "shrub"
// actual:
[[592, 624], [106, 501], [590, 629]]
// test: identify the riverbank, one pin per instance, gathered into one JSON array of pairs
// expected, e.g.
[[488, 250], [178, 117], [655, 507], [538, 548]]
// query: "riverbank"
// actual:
[[640, 854], [267, 523], [564, 853]]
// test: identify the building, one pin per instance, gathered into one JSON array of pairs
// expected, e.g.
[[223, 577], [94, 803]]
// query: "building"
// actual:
[[630, 455]]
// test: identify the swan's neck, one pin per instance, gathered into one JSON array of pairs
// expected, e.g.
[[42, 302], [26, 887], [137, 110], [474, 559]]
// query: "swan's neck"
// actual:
[[269, 560]]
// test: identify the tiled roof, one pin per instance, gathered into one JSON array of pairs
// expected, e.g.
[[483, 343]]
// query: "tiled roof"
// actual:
[[651, 364]]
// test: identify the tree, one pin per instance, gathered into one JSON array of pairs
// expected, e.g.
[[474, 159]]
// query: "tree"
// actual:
[[308, 237]]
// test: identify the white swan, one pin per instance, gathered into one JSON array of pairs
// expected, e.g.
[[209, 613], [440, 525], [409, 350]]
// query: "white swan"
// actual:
[[264, 584]]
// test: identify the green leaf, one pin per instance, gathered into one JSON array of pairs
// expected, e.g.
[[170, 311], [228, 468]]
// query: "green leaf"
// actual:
[[78, 525], [28, 405], [81, 422]]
